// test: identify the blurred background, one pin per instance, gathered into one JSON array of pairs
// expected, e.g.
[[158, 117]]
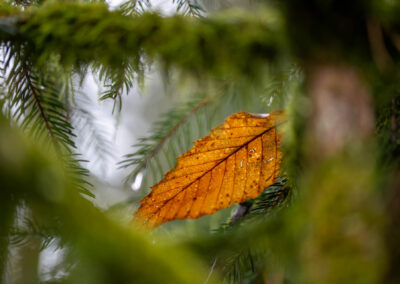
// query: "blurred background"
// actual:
[[98, 100]]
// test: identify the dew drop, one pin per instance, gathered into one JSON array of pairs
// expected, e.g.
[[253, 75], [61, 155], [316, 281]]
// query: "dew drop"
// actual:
[[270, 101], [252, 151], [241, 163], [270, 159], [260, 115], [138, 182]]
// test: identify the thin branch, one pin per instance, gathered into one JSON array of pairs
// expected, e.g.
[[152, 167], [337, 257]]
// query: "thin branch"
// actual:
[[211, 270], [241, 211], [170, 133], [116, 93], [190, 8], [39, 105]]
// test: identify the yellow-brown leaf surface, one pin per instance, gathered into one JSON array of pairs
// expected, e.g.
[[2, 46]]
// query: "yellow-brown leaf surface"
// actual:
[[237, 161]]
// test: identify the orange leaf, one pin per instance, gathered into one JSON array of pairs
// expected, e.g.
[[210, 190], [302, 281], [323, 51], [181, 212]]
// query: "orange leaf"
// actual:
[[237, 161]]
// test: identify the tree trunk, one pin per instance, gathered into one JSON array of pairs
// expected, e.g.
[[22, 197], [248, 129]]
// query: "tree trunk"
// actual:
[[343, 240]]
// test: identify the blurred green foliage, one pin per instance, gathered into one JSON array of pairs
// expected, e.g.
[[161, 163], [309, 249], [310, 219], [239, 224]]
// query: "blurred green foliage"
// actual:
[[101, 251], [90, 32]]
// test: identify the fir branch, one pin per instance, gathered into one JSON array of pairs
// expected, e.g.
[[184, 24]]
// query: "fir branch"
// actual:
[[92, 139], [189, 7], [243, 266], [34, 102], [22, 233], [272, 198], [119, 80], [39, 103], [163, 130], [280, 86], [135, 7], [212, 46]]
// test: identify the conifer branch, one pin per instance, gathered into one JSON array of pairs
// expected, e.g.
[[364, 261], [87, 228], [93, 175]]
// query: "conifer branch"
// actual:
[[39, 105], [34, 102], [150, 147], [273, 197], [109, 38], [243, 265], [92, 139], [135, 7], [174, 129], [119, 80], [29, 229], [189, 8]]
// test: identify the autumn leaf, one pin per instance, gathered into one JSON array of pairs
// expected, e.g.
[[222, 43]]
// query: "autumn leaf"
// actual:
[[237, 161]]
